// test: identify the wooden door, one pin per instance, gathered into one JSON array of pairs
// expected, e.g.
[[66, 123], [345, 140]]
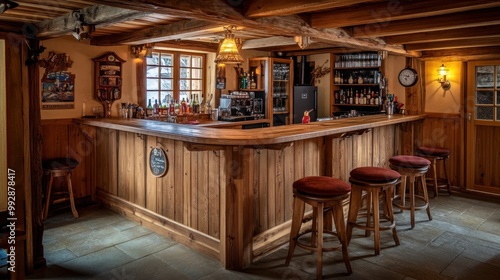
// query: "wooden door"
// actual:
[[483, 126]]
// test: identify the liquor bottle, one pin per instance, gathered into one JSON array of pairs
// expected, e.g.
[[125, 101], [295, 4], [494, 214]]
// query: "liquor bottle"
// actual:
[[183, 106], [177, 107], [149, 109], [356, 100], [253, 84], [155, 107], [189, 103], [171, 108], [350, 81], [244, 81], [196, 105]]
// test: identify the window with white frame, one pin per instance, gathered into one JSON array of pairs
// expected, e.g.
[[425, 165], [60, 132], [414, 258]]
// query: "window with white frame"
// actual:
[[176, 75]]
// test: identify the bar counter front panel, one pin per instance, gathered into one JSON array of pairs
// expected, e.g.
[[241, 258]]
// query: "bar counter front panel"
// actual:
[[228, 192]]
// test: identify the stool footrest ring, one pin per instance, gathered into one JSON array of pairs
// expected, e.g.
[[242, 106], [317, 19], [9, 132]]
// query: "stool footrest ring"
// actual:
[[303, 245]]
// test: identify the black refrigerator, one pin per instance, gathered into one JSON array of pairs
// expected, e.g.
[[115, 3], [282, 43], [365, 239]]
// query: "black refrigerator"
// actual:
[[305, 98]]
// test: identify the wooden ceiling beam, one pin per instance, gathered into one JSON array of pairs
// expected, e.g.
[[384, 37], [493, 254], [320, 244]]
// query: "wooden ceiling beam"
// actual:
[[475, 18], [174, 31], [266, 8], [98, 15], [268, 42], [388, 11], [459, 43], [463, 54], [443, 35], [220, 12], [191, 45]]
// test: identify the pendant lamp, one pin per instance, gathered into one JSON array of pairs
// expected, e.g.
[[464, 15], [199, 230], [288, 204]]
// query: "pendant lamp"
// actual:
[[228, 50]]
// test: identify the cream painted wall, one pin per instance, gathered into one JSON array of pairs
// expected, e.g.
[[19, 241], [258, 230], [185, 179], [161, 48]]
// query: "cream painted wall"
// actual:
[[3, 129], [392, 66], [323, 84], [436, 99], [82, 54]]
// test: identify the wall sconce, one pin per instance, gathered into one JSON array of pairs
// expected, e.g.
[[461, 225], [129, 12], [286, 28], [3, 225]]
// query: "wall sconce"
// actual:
[[229, 49], [136, 50], [445, 84]]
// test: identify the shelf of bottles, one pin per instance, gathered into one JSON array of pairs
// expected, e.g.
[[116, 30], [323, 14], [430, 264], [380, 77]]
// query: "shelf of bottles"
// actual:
[[357, 81], [281, 88]]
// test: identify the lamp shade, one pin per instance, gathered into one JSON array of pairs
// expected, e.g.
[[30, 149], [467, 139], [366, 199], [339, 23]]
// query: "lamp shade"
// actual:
[[228, 51]]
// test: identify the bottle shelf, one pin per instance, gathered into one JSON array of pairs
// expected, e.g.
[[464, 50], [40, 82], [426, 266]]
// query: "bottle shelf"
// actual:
[[280, 112], [358, 85], [355, 105], [358, 68]]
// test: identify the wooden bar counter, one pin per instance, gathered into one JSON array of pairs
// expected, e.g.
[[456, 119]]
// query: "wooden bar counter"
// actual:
[[228, 192]]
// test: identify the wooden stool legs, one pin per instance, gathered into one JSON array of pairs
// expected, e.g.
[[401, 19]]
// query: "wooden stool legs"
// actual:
[[67, 175], [400, 200], [372, 210], [318, 229]]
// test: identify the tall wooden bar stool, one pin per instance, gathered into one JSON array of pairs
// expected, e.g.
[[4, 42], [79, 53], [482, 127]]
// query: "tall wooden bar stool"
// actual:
[[435, 154], [411, 168], [321, 193], [59, 167], [375, 181]]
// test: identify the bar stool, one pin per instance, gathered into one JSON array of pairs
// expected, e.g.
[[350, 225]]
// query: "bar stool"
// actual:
[[322, 193], [433, 154], [374, 181], [411, 168], [59, 167]]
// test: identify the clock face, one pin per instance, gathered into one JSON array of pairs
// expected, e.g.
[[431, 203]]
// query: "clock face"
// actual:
[[408, 77], [111, 58]]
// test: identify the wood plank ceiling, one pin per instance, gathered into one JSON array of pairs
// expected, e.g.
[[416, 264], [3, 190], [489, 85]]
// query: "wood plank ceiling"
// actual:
[[465, 29]]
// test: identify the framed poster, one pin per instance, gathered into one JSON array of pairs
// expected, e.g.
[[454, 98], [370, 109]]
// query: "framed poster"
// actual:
[[58, 90]]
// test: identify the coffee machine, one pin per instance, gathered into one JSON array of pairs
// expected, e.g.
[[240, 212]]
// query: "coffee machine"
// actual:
[[240, 106]]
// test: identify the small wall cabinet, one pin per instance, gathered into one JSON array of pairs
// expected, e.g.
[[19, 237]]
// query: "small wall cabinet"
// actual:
[[357, 83], [108, 80]]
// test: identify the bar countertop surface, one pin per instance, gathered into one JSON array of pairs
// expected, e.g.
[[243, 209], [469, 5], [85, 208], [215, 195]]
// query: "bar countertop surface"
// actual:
[[258, 136]]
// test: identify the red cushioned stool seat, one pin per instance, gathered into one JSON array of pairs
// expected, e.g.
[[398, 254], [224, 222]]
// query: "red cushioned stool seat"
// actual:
[[435, 154], [374, 174], [409, 161], [326, 196], [322, 186]]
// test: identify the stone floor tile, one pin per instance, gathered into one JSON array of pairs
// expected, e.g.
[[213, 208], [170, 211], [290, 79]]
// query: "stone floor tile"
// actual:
[[59, 256], [97, 262], [145, 245], [468, 269]]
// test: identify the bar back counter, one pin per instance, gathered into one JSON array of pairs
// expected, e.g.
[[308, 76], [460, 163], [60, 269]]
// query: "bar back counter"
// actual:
[[228, 192]]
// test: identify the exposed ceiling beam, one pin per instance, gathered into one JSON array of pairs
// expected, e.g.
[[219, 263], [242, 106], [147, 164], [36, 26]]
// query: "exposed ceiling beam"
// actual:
[[460, 20], [191, 45], [463, 54], [459, 43], [98, 15], [388, 11], [265, 8], [443, 35], [173, 31], [220, 12], [268, 42]]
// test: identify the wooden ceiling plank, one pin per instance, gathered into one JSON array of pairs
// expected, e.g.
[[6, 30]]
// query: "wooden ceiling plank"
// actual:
[[388, 11], [191, 45], [98, 15], [220, 12], [265, 8], [462, 43], [461, 33], [173, 31], [463, 54], [436, 23]]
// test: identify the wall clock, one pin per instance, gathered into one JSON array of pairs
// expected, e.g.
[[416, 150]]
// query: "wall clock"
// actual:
[[408, 77]]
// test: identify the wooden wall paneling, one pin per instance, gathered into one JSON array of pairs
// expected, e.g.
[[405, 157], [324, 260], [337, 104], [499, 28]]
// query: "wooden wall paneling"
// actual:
[[112, 161], [312, 149], [341, 157], [362, 149], [55, 141], [165, 186], [224, 194], [384, 142], [288, 179], [487, 177], [152, 193], [124, 162], [280, 192], [192, 181], [213, 185], [261, 161], [140, 170], [298, 162], [176, 178], [201, 186], [257, 195], [77, 149], [99, 154], [271, 189], [183, 182]]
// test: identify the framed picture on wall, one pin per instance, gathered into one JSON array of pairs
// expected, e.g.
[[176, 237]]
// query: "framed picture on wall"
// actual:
[[58, 90]]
